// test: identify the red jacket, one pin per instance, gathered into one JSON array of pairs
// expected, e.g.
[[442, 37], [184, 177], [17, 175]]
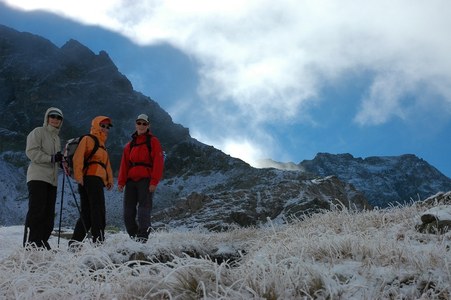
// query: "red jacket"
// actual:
[[140, 154]]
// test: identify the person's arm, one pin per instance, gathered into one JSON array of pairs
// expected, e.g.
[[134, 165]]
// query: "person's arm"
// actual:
[[123, 169], [109, 170], [157, 165]]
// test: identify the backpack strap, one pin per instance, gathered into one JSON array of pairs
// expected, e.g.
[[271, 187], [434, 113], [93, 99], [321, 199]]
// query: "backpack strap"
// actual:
[[149, 148], [91, 155], [88, 161]]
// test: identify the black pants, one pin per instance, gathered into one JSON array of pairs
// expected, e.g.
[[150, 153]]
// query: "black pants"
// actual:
[[137, 198], [41, 214], [92, 216]]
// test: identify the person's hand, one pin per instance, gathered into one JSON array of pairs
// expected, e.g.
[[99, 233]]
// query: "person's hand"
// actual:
[[57, 157], [66, 168], [152, 188], [109, 186], [120, 188]]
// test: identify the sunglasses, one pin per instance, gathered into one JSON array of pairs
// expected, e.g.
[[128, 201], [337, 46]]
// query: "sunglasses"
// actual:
[[142, 123], [106, 126], [55, 117]]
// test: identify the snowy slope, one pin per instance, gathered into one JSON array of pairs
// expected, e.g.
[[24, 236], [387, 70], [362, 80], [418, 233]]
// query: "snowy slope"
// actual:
[[13, 193]]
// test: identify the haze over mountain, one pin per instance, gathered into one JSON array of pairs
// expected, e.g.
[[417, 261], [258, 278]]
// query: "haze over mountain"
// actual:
[[202, 185]]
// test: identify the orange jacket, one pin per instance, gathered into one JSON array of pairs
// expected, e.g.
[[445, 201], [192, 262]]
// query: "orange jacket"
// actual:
[[85, 147]]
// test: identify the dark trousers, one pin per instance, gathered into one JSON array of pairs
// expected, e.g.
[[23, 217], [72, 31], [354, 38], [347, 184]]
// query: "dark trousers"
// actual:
[[41, 214], [92, 216], [137, 198]]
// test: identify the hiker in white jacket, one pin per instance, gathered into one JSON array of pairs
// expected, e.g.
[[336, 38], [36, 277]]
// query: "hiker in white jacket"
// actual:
[[44, 151]]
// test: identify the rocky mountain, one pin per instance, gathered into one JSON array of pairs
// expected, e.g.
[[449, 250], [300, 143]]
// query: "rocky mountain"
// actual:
[[202, 186], [255, 196], [384, 180], [36, 74]]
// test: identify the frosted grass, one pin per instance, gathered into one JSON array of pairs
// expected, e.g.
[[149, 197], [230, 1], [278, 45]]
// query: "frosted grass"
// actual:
[[338, 254]]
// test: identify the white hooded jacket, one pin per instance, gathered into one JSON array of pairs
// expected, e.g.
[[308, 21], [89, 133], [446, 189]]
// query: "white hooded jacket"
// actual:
[[42, 143]]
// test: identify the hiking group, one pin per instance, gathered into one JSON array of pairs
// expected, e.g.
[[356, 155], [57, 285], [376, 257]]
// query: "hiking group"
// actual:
[[86, 159]]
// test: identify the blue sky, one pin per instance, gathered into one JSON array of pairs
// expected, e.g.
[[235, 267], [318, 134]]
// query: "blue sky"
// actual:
[[369, 78]]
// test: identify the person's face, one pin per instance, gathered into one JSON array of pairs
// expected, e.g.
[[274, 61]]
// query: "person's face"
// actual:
[[141, 126], [105, 128], [55, 120]]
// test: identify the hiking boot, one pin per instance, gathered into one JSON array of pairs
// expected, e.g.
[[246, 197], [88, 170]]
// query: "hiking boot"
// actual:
[[138, 256], [74, 246], [141, 240]]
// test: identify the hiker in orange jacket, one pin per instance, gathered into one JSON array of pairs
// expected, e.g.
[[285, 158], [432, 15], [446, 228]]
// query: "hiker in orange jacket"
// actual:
[[140, 172], [92, 176]]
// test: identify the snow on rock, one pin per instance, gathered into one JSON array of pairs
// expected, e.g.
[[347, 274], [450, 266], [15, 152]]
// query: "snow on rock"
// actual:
[[438, 213]]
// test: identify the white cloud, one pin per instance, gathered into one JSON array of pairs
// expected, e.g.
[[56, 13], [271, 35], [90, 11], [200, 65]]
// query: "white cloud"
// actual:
[[383, 101], [244, 150], [84, 11], [268, 62], [244, 146]]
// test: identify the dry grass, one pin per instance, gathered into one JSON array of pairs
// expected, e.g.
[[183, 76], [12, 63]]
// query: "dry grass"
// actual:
[[338, 254]]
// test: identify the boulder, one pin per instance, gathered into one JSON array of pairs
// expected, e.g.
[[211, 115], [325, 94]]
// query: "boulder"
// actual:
[[436, 220]]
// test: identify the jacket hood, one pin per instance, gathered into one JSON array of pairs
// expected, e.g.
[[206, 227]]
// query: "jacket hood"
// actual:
[[46, 116], [95, 126]]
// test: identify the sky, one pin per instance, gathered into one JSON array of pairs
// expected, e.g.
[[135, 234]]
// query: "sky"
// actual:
[[369, 78]]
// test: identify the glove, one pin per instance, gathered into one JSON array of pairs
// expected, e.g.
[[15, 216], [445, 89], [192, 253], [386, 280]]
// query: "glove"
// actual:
[[57, 157]]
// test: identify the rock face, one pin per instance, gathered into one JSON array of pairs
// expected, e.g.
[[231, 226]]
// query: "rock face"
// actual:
[[264, 194], [383, 180]]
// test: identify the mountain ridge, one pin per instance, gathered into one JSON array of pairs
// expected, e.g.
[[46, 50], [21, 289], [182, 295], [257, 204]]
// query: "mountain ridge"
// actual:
[[384, 180]]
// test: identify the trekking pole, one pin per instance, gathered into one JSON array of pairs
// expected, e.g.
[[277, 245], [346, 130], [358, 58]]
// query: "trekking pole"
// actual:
[[76, 203], [61, 212]]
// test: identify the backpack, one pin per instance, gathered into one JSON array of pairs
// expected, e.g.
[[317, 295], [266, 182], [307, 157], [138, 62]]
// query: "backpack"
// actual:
[[69, 151], [149, 148]]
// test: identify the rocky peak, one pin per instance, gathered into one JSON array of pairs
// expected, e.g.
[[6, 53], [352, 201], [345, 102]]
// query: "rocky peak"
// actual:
[[76, 50], [77, 53], [383, 179]]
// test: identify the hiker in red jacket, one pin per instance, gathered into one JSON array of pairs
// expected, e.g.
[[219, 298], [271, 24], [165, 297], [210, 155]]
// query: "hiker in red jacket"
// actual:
[[140, 172]]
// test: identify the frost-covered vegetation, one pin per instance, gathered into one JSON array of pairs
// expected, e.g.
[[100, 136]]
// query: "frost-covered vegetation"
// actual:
[[338, 254]]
